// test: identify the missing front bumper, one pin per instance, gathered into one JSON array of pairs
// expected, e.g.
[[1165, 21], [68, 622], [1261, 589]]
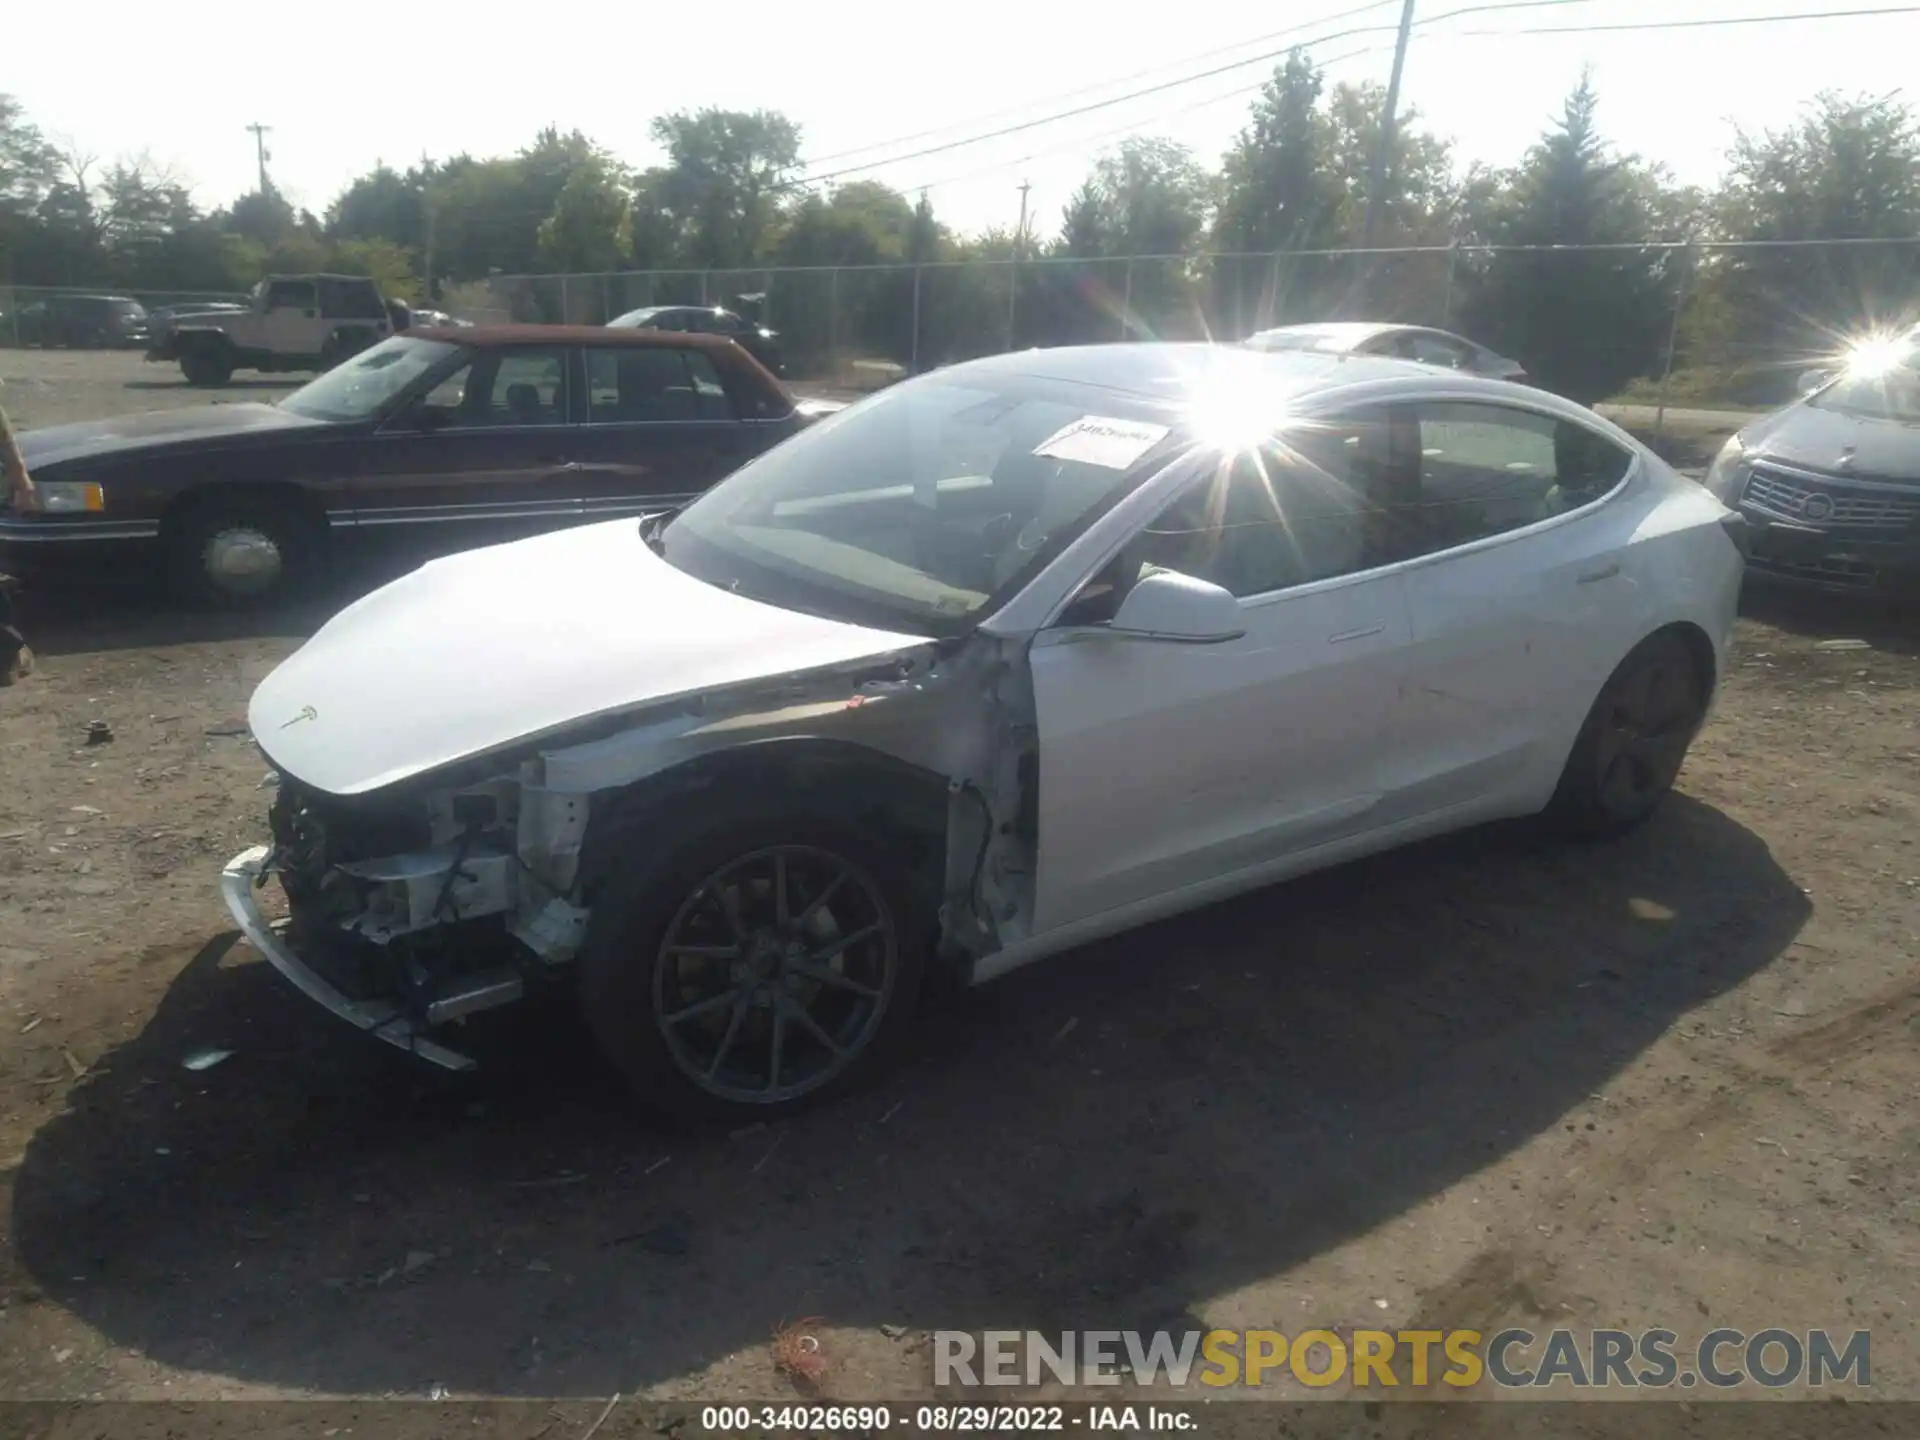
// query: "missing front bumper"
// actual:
[[238, 883]]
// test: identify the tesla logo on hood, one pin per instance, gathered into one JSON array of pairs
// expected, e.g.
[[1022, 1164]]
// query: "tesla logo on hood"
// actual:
[[307, 712]]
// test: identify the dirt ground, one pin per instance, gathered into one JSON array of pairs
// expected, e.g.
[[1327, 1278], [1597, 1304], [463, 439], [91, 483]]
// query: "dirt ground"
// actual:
[[1662, 1082]]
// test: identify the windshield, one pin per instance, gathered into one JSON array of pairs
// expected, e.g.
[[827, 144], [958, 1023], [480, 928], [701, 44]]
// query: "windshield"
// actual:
[[1890, 392], [360, 388], [922, 507]]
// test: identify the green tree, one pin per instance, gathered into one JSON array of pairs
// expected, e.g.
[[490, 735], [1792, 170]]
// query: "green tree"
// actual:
[[1275, 189], [383, 204], [590, 227], [717, 201], [1848, 169], [1148, 197], [261, 215], [1582, 320], [855, 230], [1419, 191], [28, 164], [1276, 193], [387, 262]]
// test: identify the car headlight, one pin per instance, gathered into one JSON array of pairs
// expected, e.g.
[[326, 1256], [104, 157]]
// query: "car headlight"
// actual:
[[68, 497], [1728, 473]]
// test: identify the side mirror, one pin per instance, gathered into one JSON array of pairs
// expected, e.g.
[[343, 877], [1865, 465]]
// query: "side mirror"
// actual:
[[1166, 605], [1812, 380]]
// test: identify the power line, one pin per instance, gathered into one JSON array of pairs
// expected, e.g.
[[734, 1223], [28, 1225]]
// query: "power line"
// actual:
[[993, 115], [1486, 6], [1134, 126], [1698, 24]]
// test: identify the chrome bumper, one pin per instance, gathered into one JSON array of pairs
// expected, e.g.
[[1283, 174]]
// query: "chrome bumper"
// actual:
[[386, 1021]]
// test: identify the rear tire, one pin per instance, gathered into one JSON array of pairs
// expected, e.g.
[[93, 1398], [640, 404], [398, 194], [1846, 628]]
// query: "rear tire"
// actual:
[[703, 935], [240, 552], [1634, 741], [207, 365]]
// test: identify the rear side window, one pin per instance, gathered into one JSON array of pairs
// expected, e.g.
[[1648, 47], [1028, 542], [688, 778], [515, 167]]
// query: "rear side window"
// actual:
[[351, 300], [653, 384], [1488, 469], [1436, 350]]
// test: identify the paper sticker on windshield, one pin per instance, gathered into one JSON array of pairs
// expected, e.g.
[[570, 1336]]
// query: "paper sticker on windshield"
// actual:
[[1101, 440]]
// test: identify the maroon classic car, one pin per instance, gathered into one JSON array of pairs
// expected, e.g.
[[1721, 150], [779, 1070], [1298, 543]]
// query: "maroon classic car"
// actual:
[[461, 436]]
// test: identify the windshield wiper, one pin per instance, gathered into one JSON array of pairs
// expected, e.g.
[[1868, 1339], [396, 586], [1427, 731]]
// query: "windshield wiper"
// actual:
[[650, 528]]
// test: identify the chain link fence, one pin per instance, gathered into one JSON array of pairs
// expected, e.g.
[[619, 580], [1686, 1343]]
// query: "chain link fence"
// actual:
[[1722, 324], [1694, 323]]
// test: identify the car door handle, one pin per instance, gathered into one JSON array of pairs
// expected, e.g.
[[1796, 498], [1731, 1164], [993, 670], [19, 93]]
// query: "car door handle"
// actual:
[[1359, 634], [1604, 572]]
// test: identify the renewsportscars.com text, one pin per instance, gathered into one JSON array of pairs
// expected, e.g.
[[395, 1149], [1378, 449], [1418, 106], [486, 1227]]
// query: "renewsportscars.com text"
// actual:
[[1652, 1359]]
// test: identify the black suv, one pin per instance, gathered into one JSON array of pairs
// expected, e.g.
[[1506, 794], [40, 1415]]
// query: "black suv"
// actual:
[[758, 341], [92, 322]]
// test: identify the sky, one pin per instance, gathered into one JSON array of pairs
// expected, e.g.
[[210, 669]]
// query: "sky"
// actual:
[[355, 82]]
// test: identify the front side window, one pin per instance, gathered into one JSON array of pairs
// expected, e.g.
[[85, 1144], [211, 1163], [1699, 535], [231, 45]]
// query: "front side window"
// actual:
[[290, 295], [497, 389], [922, 506], [364, 387], [1311, 505], [1488, 469], [1308, 507]]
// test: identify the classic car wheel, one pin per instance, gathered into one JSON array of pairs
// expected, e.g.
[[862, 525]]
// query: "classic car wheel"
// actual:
[[238, 552], [769, 965], [1634, 741]]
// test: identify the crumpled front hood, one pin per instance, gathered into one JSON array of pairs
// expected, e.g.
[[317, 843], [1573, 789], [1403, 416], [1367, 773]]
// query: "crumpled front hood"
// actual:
[[1815, 439], [484, 649]]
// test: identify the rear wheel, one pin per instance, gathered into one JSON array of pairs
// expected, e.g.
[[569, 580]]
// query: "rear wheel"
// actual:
[[240, 551], [771, 963], [1634, 741], [206, 365]]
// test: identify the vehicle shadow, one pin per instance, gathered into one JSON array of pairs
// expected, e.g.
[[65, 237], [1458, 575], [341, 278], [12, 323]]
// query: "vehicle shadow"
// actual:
[[1111, 1139], [131, 612], [1888, 623]]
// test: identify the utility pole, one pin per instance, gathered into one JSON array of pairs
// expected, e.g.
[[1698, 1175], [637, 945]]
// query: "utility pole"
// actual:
[[1383, 149], [260, 152], [1019, 244], [432, 208]]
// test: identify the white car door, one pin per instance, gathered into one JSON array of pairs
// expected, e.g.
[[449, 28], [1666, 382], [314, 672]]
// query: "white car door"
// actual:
[[1522, 603], [1167, 764]]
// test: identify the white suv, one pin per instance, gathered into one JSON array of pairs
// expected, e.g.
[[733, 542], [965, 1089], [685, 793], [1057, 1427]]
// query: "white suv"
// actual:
[[296, 322]]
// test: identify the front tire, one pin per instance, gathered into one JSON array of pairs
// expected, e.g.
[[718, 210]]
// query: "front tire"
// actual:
[[1634, 741], [239, 552], [772, 962]]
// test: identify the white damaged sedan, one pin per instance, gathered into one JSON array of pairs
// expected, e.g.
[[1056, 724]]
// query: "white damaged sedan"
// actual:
[[1003, 659]]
